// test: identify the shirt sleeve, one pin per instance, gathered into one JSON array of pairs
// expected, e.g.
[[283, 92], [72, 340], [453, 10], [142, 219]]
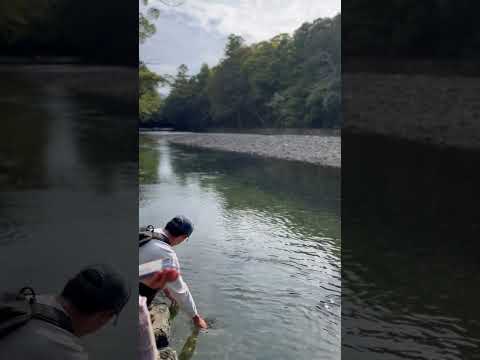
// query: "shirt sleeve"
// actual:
[[147, 349], [181, 293]]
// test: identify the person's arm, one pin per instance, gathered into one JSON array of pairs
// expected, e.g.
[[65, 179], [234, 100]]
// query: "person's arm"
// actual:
[[181, 293]]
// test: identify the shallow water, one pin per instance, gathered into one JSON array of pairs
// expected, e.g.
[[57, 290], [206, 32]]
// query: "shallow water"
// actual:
[[263, 262]]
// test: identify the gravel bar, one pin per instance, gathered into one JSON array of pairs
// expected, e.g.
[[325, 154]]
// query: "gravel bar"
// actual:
[[442, 111], [320, 150]]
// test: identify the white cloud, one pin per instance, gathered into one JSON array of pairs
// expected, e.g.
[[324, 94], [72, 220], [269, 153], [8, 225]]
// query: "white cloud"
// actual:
[[163, 68], [196, 32], [255, 20]]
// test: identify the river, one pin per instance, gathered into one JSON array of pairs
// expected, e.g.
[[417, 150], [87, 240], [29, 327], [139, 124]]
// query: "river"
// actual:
[[68, 187], [410, 255], [263, 262]]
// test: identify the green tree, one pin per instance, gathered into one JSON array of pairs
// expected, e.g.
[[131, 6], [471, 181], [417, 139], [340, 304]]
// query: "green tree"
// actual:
[[149, 98], [177, 105], [229, 89], [150, 101], [288, 81], [145, 21], [200, 102]]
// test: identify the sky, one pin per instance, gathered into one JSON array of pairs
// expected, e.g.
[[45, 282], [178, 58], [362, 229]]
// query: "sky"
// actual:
[[196, 31]]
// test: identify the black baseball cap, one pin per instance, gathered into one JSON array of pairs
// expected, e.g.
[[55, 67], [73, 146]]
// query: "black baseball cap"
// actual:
[[97, 288], [179, 225]]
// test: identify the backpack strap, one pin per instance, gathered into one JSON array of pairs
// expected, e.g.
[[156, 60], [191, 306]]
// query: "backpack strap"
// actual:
[[18, 309], [147, 234], [144, 238], [51, 315]]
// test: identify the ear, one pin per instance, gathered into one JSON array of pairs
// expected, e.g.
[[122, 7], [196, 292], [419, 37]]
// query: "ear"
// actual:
[[178, 240]]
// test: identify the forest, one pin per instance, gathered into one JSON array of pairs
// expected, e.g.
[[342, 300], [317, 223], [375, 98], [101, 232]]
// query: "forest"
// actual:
[[290, 81]]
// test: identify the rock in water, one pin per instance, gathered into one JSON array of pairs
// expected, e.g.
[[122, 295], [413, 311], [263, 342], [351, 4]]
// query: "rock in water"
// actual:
[[168, 354], [160, 315], [160, 323]]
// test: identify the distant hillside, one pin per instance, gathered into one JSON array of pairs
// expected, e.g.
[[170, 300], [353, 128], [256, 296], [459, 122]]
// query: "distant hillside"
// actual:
[[287, 82]]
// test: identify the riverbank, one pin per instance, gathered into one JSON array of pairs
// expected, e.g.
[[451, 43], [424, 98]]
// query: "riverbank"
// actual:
[[320, 150], [428, 102]]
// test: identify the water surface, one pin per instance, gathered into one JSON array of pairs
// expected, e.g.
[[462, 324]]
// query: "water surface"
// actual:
[[263, 262], [410, 255], [68, 190]]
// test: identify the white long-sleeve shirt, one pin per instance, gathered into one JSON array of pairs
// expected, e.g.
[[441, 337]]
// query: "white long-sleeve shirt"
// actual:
[[159, 250]]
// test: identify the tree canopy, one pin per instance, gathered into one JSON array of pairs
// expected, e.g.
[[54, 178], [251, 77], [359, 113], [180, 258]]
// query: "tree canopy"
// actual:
[[288, 81], [149, 102]]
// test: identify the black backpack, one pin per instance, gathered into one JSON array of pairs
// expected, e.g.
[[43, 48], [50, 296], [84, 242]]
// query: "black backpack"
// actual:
[[18, 309]]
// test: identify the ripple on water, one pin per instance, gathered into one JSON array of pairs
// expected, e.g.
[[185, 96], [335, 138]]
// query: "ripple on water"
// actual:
[[269, 272]]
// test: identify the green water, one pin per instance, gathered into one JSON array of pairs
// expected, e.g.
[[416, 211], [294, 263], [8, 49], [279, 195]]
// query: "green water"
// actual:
[[263, 263]]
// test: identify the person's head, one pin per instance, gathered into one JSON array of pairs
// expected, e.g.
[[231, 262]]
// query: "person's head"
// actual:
[[179, 229], [93, 297]]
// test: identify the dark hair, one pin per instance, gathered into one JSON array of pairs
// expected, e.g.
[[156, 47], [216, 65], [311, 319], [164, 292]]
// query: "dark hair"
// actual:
[[97, 288], [179, 225]]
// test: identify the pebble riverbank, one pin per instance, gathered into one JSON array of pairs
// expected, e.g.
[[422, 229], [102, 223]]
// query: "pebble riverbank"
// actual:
[[320, 150], [425, 108]]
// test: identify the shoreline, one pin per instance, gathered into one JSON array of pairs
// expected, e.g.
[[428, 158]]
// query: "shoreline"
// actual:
[[319, 150], [429, 109], [113, 84]]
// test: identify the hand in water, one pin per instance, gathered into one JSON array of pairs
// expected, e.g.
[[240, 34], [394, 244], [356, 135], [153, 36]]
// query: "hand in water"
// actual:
[[199, 322]]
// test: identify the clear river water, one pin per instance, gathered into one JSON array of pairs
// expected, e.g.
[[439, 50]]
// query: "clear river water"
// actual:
[[263, 262]]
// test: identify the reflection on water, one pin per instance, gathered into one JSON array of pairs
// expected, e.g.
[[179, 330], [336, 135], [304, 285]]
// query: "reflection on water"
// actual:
[[410, 261], [188, 349], [264, 260], [68, 187], [50, 137]]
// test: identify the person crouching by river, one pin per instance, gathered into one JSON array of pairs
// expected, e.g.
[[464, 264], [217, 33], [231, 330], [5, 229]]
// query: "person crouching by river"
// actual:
[[48, 327], [160, 247]]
